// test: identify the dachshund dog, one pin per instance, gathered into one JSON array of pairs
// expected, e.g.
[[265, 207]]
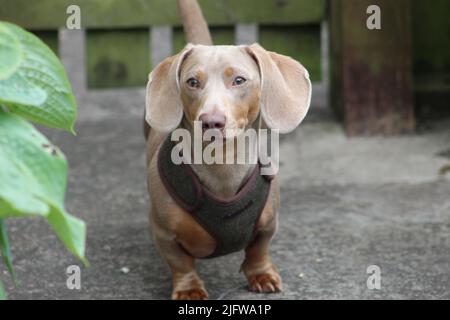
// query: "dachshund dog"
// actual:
[[228, 89]]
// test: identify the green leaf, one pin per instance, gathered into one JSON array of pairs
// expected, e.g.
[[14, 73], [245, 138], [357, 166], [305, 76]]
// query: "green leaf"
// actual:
[[33, 82], [16, 89], [5, 249], [2, 291], [33, 180], [10, 55]]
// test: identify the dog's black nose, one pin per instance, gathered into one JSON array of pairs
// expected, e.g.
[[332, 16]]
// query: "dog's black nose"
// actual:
[[212, 121]]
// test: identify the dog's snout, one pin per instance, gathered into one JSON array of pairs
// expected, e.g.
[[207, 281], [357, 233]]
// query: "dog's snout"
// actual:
[[212, 121]]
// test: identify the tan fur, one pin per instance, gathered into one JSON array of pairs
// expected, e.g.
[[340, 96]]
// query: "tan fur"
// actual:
[[194, 23], [285, 84], [177, 235], [228, 72]]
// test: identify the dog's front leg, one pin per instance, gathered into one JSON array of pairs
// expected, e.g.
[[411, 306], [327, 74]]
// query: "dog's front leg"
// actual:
[[261, 273], [186, 283]]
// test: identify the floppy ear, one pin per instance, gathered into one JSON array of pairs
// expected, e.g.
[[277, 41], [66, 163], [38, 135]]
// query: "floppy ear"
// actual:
[[285, 89], [163, 107]]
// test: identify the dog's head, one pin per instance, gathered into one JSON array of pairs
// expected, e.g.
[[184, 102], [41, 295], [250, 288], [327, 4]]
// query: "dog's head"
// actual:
[[226, 87]]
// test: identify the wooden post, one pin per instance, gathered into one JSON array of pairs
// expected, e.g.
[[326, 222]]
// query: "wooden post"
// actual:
[[372, 69]]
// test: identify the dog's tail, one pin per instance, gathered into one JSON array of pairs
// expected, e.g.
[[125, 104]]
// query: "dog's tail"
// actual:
[[195, 26]]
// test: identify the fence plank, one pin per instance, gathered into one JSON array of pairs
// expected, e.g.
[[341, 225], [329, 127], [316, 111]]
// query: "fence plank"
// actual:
[[431, 25], [374, 72], [161, 43], [111, 65], [72, 45], [300, 42], [51, 14], [246, 33], [118, 58]]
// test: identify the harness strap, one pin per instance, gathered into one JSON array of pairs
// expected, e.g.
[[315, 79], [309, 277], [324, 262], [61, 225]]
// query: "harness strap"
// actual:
[[232, 222]]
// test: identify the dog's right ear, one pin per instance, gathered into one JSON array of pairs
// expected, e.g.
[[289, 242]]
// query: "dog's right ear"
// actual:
[[163, 106]]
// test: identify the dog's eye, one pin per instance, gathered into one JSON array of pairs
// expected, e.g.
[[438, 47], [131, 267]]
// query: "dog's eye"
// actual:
[[238, 81], [193, 83]]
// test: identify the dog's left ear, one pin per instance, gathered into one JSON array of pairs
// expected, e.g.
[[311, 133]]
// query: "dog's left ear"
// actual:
[[285, 89]]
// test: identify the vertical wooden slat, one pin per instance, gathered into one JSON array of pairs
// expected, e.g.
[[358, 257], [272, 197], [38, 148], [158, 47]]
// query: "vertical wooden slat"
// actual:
[[161, 43], [72, 51], [320, 90], [373, 67], [336, 97], [246, 33], [325, 60]]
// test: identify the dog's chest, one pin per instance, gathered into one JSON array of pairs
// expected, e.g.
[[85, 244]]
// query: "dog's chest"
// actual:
[[230, 220], [223, 181]]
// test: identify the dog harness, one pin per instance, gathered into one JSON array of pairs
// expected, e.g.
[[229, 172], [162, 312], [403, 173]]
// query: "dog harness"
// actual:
[[232, 222]]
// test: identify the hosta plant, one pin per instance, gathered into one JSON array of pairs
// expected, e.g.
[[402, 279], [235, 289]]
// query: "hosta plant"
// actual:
[[33, 172]]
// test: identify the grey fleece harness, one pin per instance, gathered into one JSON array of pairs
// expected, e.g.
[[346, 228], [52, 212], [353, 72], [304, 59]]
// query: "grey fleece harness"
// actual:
[[232, 222]]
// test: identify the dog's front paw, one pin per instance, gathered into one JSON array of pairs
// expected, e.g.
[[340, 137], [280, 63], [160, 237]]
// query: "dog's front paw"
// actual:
[[191, 294], [266, 282]]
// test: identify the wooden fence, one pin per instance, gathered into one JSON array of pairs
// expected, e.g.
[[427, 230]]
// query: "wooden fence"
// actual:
[[386, 81], [121, 40], [125, 38]]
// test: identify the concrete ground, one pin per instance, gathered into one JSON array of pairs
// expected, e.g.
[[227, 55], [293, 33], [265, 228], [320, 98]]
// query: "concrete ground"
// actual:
[[346, 204]]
